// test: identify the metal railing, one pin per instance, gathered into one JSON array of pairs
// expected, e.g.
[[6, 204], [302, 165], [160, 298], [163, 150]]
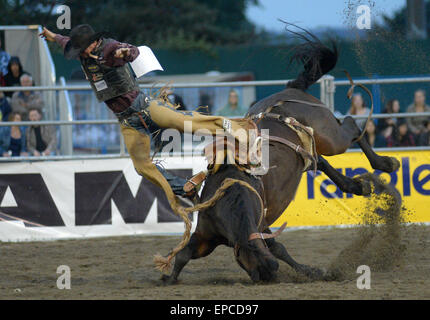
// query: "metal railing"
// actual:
[[327, 88], [157, 85]]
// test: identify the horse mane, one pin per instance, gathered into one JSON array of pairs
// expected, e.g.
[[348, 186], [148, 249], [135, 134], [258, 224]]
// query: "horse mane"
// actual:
[[316, 58]]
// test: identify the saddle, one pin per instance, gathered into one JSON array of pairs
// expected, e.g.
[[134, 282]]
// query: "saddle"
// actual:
[[243, 154], [236, 152], [248, 158]]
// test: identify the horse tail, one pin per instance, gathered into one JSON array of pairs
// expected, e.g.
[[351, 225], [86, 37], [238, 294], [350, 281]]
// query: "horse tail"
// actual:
[[317, 58]]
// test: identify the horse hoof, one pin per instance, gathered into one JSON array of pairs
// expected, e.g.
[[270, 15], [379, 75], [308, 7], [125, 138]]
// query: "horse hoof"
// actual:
[[395, 164], [168, 280], [366, 186], [390, 164], [316, 274], [312, 273]]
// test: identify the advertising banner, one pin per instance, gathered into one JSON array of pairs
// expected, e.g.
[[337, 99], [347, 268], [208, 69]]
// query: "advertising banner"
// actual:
[[319, 202], [88, 198]]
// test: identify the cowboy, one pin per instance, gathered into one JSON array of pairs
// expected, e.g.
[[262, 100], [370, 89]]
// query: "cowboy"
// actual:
[[105, 63]]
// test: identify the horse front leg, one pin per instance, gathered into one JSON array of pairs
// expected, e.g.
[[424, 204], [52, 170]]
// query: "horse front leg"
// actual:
[[383, 163], [196, 248], [281, 253], [335, 138]]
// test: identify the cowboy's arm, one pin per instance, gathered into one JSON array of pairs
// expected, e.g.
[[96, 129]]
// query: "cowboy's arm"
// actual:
[[117, 53], [61, 40], [54, 37]]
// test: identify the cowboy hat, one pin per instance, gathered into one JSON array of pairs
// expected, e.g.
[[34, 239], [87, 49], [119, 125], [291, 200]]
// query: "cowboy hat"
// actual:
[[81, 37]]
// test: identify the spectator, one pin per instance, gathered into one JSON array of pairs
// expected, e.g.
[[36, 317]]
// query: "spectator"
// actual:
[[5, 108], [424, 137], [373, 138], [4, 61], [14, 73], [358, 108], [401, 136], [23, 101], [41, 140], [393, 106], [232, 108], [12, 139], [416, 124]]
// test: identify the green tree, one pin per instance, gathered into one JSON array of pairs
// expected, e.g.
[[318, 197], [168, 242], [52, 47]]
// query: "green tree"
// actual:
[[173, 24]]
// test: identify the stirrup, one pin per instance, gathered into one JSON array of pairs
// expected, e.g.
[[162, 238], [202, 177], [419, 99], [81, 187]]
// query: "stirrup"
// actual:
[[194, 183]]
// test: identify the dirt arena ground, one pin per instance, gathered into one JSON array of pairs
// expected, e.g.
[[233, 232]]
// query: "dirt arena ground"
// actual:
[[122, 268]]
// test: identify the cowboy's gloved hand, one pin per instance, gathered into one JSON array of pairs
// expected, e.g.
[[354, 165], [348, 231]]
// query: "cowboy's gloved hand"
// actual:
[[122, 53], [48, 35]]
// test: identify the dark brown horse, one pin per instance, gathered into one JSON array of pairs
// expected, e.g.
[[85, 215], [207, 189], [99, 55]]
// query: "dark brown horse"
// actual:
[[235, 217]]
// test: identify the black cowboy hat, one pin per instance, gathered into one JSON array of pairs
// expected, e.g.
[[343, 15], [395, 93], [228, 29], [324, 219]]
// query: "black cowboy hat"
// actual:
[[81, 37]]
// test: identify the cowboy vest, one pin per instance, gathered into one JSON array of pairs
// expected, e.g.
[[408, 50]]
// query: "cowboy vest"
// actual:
[[108, 82]]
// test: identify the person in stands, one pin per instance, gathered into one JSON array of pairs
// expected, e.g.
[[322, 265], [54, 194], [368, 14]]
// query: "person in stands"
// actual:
[[41, 139]]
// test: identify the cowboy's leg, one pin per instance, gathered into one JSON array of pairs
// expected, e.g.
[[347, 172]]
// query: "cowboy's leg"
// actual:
[[165, 115], [144, 125], [139, 147]]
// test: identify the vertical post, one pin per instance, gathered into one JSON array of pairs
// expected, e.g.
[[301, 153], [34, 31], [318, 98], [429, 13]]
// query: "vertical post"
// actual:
[[65, 113], [121, 144], [327, 90]]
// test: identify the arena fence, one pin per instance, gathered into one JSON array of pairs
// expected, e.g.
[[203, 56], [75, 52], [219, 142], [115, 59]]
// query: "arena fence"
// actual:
[[327, 85]]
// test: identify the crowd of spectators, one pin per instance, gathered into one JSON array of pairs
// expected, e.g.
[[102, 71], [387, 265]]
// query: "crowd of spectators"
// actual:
[[20, 106], [398, 131]]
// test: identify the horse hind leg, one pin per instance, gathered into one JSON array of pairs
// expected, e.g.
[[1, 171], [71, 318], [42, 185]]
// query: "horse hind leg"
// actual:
[[335, 140], [355, 186], [383, 163], [196, 248]]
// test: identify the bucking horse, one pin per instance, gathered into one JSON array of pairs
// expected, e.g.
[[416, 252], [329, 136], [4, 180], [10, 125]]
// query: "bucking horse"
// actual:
[[246, 204]]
